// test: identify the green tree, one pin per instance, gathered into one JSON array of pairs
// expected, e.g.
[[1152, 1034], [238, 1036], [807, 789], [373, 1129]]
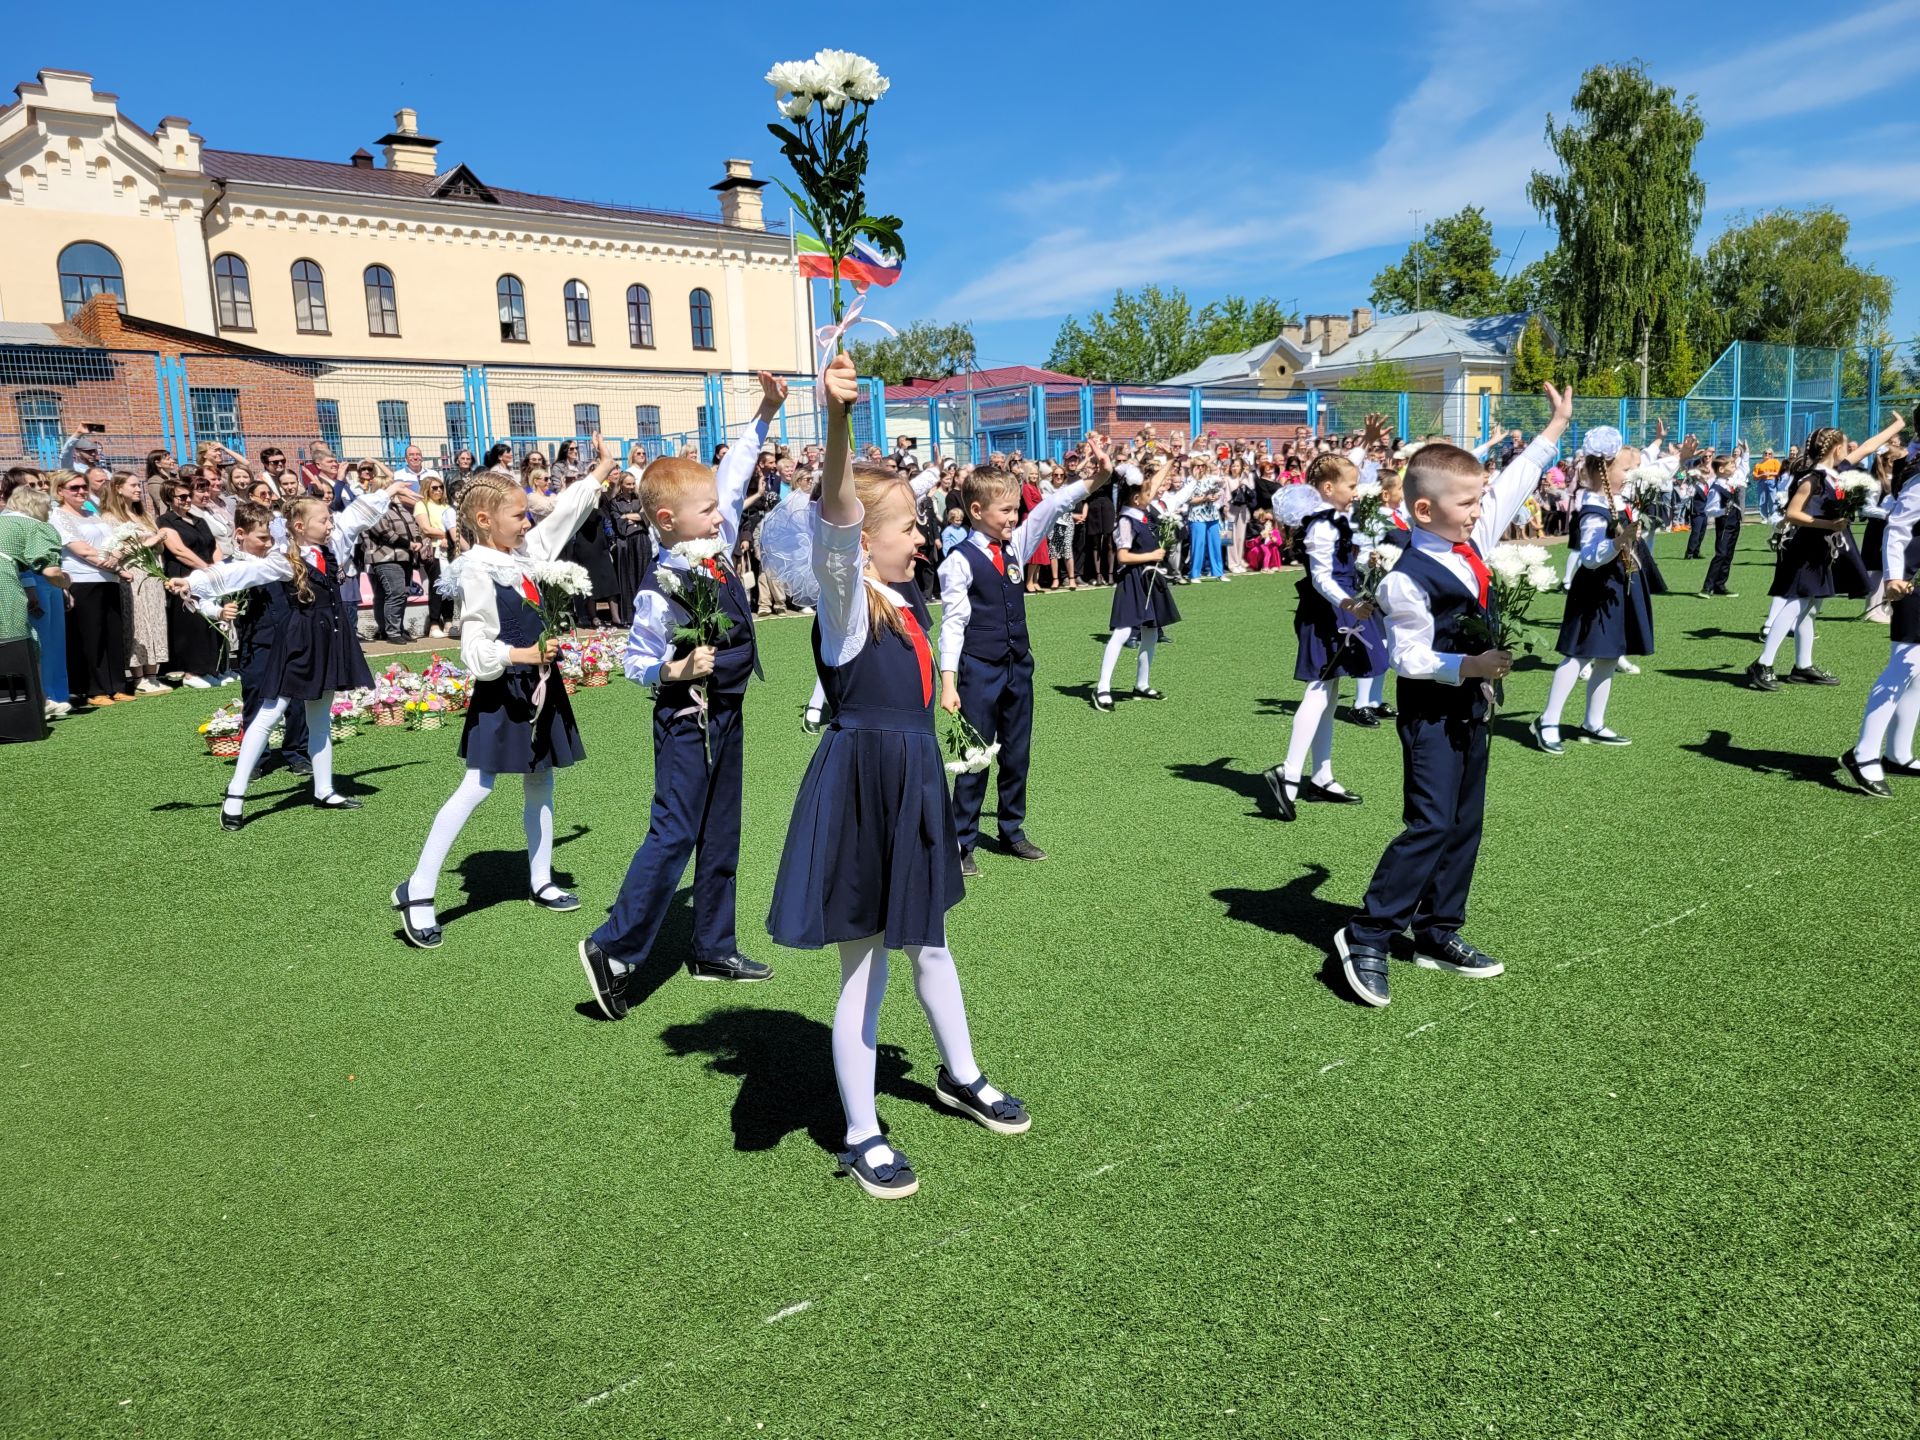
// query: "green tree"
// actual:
[[1453, 267], [1783, 277], [1626, 203], [1534, 360], [924, 349], [1379, 375], [1149, 334]]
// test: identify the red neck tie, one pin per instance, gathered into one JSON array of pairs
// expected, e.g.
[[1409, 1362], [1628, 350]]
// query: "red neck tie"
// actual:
[[1398, 523], [999, 557], [530, 590], [320, 560], [1479, 567], [922, 652]]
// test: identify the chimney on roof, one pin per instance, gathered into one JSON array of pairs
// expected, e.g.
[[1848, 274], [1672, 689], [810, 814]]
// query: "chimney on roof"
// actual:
[[1293, 334], [1338, 329], [740, 197], [361, 159], [405, 148], [1362, 320]]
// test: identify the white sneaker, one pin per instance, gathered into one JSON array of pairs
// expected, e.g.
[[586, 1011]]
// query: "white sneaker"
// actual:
[[196, 682], [150, 686]]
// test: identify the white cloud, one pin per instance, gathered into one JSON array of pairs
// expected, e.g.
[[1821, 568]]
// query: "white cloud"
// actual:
[[1816, 69], [1048, 196]]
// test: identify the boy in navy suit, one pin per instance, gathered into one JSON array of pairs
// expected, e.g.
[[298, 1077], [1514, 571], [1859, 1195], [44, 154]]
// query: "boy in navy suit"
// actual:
[[986, 665], [697, 735], [1437, 600]]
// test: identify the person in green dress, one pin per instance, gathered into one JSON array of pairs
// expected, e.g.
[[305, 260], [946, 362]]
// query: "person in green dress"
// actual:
[[32, 598]]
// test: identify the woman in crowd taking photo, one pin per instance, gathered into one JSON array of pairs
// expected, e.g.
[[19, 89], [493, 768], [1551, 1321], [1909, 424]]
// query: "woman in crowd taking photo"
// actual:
[[96, 629], [143, 597], [193, 646], [33, 546]]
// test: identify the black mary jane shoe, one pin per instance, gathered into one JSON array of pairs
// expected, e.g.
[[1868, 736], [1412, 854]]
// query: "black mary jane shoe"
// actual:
[[1276, 779], [1323, 795], [421, 937], [813, 721], [230, 823], [1148, 694], [1385, 711], [890, 1180], [1103, 702], [1878, 789], [1909, 768], [1005, 1116], [552, 897], [337, 801], [1367, 719]]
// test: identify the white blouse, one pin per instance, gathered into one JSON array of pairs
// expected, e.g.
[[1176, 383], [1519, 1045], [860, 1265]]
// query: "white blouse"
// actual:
[[473, 575]]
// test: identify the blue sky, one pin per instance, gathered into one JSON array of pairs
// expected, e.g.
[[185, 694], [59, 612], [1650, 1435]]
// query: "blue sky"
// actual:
[[1046, 155]]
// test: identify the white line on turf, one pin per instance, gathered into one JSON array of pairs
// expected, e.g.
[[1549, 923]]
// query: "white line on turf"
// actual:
[[790, 1310], [918, 1253]]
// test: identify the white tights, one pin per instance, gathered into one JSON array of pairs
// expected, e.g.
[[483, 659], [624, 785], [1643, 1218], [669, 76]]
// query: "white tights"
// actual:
[[1313, 728], [1368, 691], [1893, 701], [1116, 642], [817, 705], [475, 786], [856, 1025], [254, 744], [1795, 616], [1599, 686]]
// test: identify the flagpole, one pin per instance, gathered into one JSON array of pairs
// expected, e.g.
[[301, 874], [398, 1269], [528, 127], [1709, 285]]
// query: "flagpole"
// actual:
[[793, 253]]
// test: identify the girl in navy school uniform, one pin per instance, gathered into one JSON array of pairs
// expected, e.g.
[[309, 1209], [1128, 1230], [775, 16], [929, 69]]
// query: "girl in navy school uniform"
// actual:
[[1818, 558], [316, 650], [1609, 611], [519, 720], [1142, 600], [1894, 700], [1873, 539], [870, 862], [1336, 633]]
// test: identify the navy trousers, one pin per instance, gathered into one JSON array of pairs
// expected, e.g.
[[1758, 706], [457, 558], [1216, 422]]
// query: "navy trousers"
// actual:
[[293, 742], [1696, 532], [1726, 535], [997, 700], [696, 812], [1423, 879]]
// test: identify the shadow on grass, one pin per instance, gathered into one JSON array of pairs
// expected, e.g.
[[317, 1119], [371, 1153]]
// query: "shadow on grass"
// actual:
[[1820, 770], [499, 877], [672, 948], [784, 1062], [296, 791], [1224, 773], [1296, 911], [1736, 678], [1716, 632]]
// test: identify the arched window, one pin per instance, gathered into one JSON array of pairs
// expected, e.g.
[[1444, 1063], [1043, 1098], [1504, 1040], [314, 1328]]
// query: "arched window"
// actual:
[[513, 308], [232, 296], [579, 315], [309, 298], [639, 317], [87, 270], [383, 310], [701, 304]]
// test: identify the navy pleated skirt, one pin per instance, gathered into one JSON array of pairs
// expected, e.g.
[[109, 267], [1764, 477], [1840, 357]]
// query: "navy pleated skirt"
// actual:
[[504, 735], [1142, 597], [1609, 614], [871, 847], [1322, 652]]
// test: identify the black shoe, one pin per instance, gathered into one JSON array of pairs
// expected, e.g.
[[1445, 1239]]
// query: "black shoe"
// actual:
[[609, 989], [969, 866], [1602, 737], [1364, 968], [1811, 675], [1148, 694], [1005, 1116], [730, 967], [892, 1181], [421, 937], [1761, 677], [552, 897], [1367, 719], [1908, 768], [1879, 789], [1276, 779], [231, 822], [812, 721], [1385, 711], [1552, 747], [1022, 848], [1458, 957], [1323, 795], [337, 801], [299, 765], [1103, 702]]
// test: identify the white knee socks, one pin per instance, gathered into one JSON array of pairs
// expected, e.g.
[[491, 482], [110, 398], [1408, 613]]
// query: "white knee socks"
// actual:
[[1116, 642], [1366, 691], [856, 1026], [817, 705], [1897, 689]]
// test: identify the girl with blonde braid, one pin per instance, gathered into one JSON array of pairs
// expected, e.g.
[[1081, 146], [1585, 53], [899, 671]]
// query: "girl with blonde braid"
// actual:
[[316, 650]]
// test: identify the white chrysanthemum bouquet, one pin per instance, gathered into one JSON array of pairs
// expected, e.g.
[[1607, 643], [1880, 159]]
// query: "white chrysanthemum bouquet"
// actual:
[[550, 587], [971, 754], [1517, 576]]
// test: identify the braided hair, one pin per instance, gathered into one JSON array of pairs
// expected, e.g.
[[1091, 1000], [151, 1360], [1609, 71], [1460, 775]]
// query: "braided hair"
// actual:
[[875, 483], [296, 512], [483, 492]]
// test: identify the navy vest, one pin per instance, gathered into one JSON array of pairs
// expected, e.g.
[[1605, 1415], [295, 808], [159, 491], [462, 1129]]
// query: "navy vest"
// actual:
[[263, 610], [735, 658], [997, 624], [1451, 603], [885, 686], [519, 621]]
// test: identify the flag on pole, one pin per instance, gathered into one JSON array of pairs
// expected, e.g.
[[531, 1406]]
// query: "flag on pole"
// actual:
[[866, 266]]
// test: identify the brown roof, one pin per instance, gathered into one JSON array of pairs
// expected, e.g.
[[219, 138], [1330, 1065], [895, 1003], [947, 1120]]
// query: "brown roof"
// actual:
[[399, 184]]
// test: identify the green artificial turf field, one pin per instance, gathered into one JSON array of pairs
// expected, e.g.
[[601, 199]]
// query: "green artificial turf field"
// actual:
[[268, 1172]]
